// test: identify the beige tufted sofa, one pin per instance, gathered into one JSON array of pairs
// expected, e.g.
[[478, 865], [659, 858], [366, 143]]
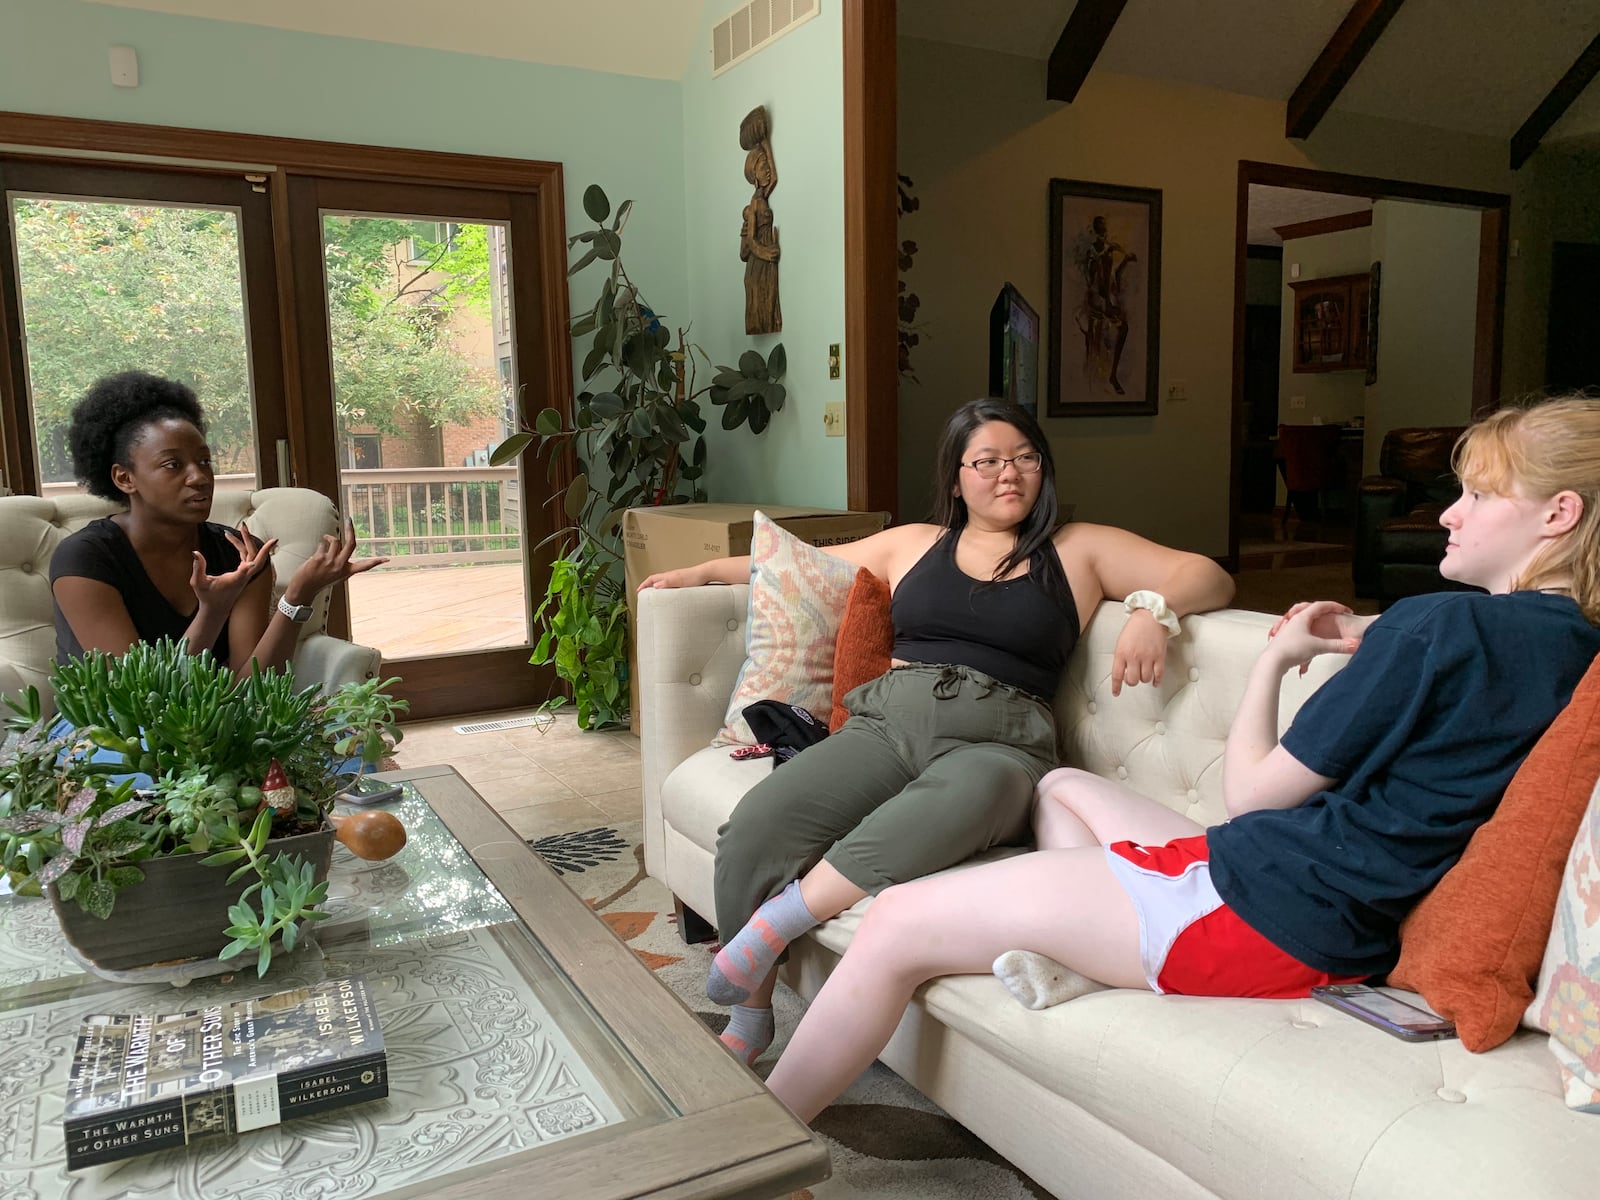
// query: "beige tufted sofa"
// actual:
[[31, 528], [1121, 1093]]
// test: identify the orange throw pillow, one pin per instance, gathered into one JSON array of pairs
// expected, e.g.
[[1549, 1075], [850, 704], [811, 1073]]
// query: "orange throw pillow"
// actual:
[[1473, 946], [866, 641]]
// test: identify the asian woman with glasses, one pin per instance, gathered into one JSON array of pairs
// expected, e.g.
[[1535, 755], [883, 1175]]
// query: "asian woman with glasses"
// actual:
[[941, 754]]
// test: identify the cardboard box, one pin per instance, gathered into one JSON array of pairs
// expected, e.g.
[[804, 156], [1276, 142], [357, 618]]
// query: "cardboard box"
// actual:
[[681, 535]]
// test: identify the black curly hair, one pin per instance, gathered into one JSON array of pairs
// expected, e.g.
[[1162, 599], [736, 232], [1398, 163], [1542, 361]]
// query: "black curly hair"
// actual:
[[113, 415]]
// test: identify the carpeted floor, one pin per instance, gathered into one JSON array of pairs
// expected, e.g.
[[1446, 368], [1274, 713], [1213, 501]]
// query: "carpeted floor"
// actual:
[[886, 1140]]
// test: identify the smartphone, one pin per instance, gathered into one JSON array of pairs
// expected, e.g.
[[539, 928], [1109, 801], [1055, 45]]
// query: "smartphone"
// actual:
[[367, 790], [1405, 1021]]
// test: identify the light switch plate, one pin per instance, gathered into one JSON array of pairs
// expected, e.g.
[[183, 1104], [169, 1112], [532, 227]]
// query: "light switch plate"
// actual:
[[833, 418], [1177, 389]]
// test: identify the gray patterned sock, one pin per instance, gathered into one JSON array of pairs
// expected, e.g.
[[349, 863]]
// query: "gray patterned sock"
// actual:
[[749, 1032]]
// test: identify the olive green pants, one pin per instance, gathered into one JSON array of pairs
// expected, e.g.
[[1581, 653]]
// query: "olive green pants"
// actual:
[[935, 764]]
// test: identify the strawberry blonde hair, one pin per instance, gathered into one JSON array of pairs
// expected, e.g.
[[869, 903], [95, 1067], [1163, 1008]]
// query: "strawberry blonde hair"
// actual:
[[1542, 449]]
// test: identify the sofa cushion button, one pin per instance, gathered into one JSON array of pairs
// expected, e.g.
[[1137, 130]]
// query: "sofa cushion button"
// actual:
[[1122, 772], [26, 568], [733, 624], [1451, 1095], [694, 680], [1091, 708], [1161, 728], [1194, 675], [1192, 796]]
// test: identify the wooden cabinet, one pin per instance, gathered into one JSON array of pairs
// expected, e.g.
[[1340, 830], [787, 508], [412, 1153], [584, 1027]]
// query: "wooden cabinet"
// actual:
[[1330, 323]]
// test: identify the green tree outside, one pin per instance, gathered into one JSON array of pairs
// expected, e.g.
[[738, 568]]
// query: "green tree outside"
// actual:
[[114, 287]]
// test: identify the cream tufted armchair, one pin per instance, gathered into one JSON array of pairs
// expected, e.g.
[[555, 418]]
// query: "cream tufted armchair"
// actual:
[[31, 528]]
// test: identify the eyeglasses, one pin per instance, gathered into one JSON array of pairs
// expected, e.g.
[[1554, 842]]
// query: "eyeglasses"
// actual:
[[990, 468]]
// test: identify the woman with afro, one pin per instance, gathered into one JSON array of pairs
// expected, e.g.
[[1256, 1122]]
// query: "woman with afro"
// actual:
[[160, 568]]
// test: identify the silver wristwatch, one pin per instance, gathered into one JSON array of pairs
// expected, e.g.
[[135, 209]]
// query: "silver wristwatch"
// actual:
[[298, 613]]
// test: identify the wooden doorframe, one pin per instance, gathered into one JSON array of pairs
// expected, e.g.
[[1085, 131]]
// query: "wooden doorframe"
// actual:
[[1489, 324], [450, 684], [871, 241]]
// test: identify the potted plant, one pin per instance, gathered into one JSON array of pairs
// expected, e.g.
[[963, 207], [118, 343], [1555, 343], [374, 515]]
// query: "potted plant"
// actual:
[[233, 773], [637, 430]]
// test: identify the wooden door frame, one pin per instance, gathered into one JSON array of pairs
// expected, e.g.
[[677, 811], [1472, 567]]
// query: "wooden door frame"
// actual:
[[1489, 323], [871, 249], [500, 678], [136, 182]]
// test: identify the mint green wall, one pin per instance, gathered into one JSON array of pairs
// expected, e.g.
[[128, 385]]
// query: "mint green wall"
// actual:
[[800, 79], [622, 132]]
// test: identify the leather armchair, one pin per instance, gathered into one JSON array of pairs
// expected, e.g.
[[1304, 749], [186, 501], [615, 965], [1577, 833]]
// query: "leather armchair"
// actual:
[[1399, 541], [31, 527]]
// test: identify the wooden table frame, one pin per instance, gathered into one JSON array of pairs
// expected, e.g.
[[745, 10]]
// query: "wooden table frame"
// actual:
[[733, 1139]]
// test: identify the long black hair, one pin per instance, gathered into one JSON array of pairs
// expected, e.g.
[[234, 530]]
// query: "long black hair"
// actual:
[[111, 418], [1035, 530]]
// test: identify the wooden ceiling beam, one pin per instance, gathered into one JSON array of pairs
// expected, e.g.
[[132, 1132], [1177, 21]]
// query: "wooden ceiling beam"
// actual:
[[1079, 45], [1357, 33], [1578, 77]]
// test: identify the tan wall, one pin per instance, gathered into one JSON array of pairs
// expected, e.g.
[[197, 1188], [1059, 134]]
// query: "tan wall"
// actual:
[[981, 143], [1329, 395], [1427, 316]]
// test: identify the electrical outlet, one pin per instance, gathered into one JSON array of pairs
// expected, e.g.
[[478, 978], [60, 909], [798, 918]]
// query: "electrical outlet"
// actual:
[[833, 360], [833, 418], [1177, 389], [1297, 401]]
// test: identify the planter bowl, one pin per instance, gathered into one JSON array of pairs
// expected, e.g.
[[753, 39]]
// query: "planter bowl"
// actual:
[[177, 913]]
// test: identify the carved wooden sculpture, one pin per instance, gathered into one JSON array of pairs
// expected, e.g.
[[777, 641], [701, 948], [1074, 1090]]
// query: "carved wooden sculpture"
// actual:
[[758, 239]]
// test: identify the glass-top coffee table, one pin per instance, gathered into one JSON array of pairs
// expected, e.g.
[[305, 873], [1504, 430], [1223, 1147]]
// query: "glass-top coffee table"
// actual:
[[530, 1052]]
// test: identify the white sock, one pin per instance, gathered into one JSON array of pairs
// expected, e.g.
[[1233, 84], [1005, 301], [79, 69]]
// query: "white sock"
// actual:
[[1039, 982]]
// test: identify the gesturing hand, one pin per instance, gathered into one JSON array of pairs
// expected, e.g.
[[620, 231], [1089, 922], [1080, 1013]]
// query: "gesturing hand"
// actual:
[[220, 592], [330, 563], [1141, 653]]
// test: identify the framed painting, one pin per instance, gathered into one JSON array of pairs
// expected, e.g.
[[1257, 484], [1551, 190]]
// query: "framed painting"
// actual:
[[1105, 299], [1014, 350]]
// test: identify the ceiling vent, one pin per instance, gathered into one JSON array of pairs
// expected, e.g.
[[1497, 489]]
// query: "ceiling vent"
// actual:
[[754, 25]]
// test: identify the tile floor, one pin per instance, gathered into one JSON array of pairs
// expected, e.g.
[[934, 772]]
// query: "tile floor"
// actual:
[[542, 781]]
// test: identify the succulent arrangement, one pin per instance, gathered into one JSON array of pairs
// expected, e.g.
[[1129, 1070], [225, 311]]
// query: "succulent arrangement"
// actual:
[[230, 763]]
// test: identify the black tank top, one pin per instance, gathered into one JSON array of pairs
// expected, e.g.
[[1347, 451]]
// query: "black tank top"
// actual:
[[1014, 630]]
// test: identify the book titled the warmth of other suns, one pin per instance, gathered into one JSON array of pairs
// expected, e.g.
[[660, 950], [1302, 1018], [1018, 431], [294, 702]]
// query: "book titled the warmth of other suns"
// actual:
[[143, 1082]]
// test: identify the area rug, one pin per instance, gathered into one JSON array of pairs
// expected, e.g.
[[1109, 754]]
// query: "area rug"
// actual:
[[885, 1139]]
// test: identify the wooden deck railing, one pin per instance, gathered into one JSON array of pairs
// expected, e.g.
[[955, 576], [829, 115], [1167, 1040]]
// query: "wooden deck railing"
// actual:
[[420, 516]]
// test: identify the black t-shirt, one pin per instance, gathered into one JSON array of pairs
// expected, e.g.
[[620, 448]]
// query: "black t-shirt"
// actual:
[[101, 551], [1014, 630], [1423, 730]]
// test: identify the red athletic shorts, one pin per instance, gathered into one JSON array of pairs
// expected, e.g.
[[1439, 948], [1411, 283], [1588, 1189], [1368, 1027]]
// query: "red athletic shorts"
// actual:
[[1190, 942]]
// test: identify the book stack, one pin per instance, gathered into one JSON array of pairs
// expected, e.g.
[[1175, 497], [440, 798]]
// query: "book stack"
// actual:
[[143, 1082]]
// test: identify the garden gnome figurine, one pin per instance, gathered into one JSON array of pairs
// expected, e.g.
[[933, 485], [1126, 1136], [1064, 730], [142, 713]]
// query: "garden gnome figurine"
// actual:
[[758, 239]]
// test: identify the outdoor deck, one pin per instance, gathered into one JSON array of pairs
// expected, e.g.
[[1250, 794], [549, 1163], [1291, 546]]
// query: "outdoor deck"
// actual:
[[407, 613]]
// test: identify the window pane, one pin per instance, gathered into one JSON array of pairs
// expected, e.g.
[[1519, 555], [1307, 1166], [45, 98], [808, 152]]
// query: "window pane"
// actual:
[[423, 366], [109, 286]]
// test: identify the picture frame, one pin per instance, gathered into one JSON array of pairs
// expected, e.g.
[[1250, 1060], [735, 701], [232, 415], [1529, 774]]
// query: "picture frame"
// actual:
[[1105, 300], [1014, 350]]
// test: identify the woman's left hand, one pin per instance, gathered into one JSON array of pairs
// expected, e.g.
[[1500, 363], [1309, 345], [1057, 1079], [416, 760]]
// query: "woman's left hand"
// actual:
[[330, 563], [1141, 653]]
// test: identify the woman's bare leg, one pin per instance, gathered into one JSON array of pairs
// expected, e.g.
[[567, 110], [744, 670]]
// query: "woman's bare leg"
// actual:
[[1074, 808], [1064, 903]]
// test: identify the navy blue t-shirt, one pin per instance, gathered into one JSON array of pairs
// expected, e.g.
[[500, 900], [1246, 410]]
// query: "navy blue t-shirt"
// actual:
[[1423, 729]]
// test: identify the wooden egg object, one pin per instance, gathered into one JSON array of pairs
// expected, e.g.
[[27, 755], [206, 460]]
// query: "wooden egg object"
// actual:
[[372, 835]]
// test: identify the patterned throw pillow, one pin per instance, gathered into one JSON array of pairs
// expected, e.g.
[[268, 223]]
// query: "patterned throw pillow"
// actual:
[[1567, 1004], [797, 598]]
